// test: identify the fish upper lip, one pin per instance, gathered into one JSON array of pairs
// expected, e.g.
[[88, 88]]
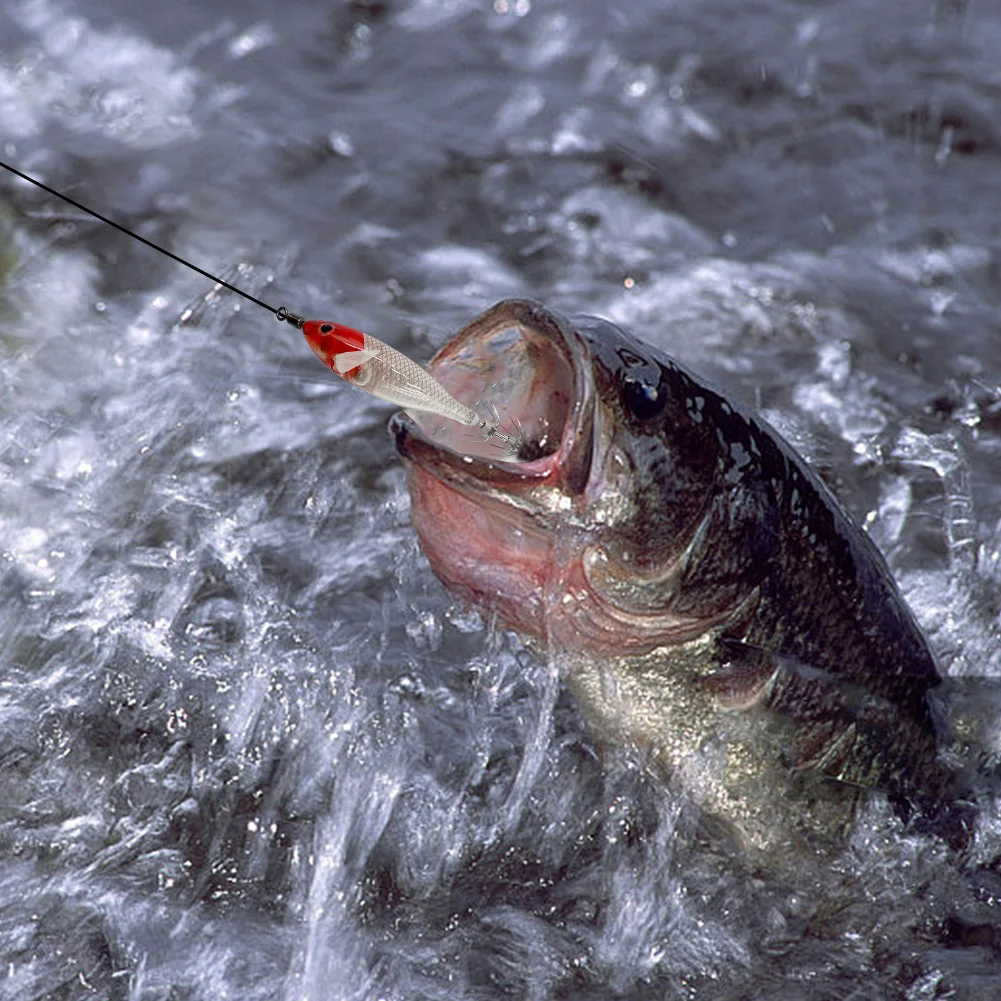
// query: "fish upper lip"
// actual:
[[567, 467]]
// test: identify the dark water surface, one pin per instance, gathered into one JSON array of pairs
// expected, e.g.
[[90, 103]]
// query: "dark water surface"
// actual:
[[248, 746]]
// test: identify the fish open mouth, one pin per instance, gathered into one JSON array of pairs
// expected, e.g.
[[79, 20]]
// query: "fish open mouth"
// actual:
[[522, 368]]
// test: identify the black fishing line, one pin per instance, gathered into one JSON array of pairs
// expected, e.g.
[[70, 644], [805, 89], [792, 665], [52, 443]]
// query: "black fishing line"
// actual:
[[281, 312]]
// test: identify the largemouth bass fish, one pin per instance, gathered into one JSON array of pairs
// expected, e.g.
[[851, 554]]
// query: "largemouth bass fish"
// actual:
[[704, 592]]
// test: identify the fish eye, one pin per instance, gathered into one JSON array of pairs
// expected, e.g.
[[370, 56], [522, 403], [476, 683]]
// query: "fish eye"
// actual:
[[643, 399], [325, 328]]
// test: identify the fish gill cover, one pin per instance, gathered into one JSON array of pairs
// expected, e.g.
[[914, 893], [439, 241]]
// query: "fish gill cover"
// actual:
[[249, 747]]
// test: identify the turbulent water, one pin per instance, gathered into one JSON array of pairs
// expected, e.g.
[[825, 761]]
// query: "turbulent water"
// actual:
[[249, 748]]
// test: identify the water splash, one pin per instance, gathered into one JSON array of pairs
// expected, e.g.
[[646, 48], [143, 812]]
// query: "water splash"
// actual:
[[942, 454]]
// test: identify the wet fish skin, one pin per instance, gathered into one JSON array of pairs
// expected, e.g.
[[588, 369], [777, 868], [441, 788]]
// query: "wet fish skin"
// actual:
[[707, 594], [827, 599]]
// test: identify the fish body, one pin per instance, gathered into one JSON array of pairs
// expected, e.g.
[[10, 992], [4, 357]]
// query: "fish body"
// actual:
[[704, 592]]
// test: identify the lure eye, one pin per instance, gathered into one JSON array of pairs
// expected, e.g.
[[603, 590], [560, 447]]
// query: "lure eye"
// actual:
[[325, 328]]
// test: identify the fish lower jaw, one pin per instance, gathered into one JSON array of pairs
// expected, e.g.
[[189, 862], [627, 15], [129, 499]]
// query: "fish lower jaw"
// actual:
[[497, 562], [499, 559]]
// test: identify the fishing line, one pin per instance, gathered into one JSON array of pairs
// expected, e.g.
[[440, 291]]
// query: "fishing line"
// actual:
[[281, 312], [358, 358]]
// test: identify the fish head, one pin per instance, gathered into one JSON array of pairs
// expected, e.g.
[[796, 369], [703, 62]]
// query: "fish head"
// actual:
[[577, 538]]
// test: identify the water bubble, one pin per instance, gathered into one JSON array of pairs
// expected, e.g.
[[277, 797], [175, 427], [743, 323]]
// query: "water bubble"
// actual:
[[258, 37], [341, 143]]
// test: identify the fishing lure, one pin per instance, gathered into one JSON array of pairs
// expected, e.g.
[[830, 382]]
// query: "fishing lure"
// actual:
[[388, 374], [362, 360]]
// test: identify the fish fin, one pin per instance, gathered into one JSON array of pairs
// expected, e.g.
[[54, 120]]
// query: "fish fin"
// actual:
[[825, 748], [743, 678], [832, 727], [346, 361]]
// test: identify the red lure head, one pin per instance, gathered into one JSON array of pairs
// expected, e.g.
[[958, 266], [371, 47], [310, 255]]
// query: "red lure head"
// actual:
[[328, 340]]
